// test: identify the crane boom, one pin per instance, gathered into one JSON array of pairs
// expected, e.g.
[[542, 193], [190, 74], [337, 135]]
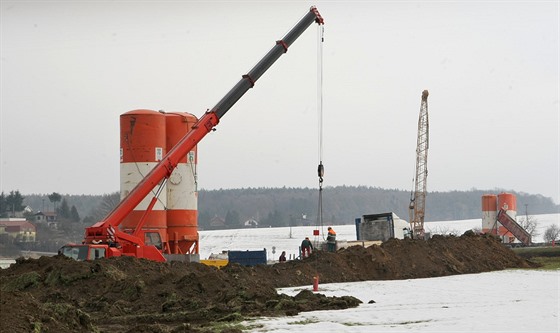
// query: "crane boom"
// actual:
[[417, 206], [106, 231]]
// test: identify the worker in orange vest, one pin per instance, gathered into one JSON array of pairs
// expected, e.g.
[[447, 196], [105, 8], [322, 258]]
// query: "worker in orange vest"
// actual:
[[331, 240]]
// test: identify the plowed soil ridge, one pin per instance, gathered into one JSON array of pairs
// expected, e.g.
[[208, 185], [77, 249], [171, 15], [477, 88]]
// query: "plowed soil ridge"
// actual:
[[57, 294]]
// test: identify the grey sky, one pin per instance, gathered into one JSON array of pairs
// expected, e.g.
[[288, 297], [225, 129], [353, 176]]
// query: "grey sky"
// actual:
[[70, 68]]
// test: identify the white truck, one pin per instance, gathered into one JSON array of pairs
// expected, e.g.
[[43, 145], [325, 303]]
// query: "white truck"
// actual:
[[381, 227]]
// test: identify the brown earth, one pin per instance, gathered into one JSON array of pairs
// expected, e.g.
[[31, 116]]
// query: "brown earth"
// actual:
[[57, 294]]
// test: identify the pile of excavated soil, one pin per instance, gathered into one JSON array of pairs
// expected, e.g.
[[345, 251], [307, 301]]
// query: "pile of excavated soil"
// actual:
[[57, 294]]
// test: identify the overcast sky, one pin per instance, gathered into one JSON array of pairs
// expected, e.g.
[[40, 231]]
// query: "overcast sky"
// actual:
[[69, 69]]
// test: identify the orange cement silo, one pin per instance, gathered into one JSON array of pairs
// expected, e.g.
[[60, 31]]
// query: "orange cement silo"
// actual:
[[489, 213], [507, 202], [142, 136], [182, 195]]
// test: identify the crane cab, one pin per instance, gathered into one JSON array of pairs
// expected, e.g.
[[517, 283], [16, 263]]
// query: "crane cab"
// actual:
[[83, 252]]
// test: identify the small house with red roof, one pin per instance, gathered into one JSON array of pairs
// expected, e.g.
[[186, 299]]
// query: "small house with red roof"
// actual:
[[20, 230]]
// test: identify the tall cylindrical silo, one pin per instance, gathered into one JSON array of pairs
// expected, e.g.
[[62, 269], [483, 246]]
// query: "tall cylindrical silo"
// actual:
[[507, 202], [142, 137], [489, 213], [182, 195]]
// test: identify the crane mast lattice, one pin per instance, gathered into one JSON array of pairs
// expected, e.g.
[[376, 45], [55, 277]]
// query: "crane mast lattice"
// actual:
[[418, 198]]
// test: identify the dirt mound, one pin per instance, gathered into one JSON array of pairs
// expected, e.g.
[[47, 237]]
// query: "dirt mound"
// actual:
[[57, 294]]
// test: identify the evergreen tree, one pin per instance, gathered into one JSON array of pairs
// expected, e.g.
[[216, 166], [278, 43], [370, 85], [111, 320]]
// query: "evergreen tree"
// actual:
[[74, 216], [64, 210], [13, 203], [89, 220], [276, 219], [3, 205], [204, 220], [232, 219], [55, 198]]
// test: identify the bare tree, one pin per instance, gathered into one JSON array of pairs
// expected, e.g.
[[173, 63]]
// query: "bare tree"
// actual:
[[529, 223], [446, 231], [551, 233], [109, 202]]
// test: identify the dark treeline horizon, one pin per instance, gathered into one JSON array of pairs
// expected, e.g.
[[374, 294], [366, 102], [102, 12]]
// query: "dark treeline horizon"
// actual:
[[298, 206]]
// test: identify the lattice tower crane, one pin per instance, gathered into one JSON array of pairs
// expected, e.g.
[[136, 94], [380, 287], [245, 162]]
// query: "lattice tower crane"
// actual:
[[417, 206]]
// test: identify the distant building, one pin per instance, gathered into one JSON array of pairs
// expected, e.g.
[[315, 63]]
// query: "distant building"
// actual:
[[217, 223], [19, 229], [47, 218], [19, 214], [251, 223]]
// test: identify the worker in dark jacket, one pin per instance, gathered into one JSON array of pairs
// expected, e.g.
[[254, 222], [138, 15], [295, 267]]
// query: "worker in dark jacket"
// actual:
[[306, 248], [331, 240], [282, 257]]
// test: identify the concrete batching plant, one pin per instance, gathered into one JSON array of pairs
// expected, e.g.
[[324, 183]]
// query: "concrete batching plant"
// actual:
[[499, 214]]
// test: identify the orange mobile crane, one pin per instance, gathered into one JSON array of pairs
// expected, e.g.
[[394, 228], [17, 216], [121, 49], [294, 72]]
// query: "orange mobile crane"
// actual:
[[417, 207], [104, 238]]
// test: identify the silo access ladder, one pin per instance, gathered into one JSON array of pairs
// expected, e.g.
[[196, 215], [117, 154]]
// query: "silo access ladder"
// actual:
[[510, 224]]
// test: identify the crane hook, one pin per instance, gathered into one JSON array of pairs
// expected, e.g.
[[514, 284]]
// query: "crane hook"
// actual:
[[320, 172]]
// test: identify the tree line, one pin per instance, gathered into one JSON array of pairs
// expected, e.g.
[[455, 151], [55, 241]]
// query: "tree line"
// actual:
[[265, 207], [14, 203], [279, 207]]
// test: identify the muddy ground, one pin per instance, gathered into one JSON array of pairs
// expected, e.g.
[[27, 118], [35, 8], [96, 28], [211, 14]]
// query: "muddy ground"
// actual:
[[57, 294]]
